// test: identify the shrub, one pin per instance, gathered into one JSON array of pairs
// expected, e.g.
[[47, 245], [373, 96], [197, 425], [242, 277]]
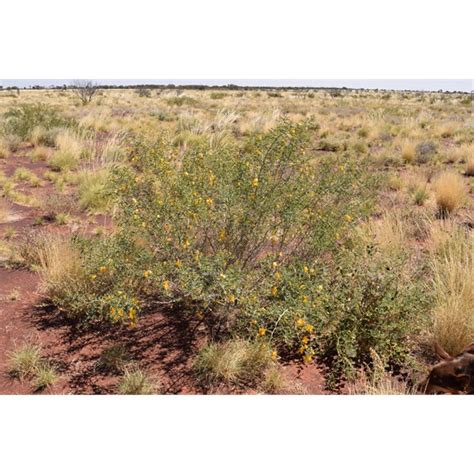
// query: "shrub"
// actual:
[[425, 152], [450, 192], [368, 306], [181, 100], [143, 92], [220, 218], [217, 95], [22, 120]]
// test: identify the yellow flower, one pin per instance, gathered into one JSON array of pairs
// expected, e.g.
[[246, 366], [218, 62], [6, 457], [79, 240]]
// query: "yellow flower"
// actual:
[[166, 285], [302, 349], [305, 340], [186, 244], [103, 269], [178, 264], [300, 323], [121, 313], [112, 311], [320, 287], [222, 235], [93, 277], [147, 273], [307, 358], [231, 298], [132, 315], [305, 299], [309, 328], [209, 201], [348, 218], [274, 291], [255, 182], [306, 269], [278, 276], [262, 331], [274, 355]]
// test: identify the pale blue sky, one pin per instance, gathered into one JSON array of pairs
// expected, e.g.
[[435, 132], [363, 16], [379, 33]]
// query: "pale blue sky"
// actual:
[[465, 85]]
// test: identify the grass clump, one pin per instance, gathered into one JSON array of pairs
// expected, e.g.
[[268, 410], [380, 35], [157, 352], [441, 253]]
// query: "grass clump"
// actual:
[[408, 152], [45, 377], [25, 361], [450, 192], [234, 362], [135, 382], [92, 191], [453, 284], [4, 149]]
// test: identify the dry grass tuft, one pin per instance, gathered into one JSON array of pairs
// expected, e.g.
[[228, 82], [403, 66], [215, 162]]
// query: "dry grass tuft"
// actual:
[[453, 285], [25, 361], [450, 192], [377, 381], [136, 382], [4, 149], [408, 152], [236, 361], [59, 265]]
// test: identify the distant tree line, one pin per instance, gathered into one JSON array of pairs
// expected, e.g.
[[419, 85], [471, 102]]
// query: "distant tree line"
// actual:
[[335, 91]]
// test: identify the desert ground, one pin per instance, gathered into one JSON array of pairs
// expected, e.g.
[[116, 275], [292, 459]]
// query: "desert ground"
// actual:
[[233, 241]]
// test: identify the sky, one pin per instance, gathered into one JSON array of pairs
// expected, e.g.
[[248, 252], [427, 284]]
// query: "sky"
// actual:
[[464, 85]]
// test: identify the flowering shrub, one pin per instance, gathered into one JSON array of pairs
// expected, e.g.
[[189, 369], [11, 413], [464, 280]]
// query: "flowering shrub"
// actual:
[[229, 230], [252, 239]]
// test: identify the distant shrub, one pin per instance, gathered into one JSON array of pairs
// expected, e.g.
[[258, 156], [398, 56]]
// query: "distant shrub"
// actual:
[[425, 151], [217, 95], [143, 92], [23, 119], [181, 100]]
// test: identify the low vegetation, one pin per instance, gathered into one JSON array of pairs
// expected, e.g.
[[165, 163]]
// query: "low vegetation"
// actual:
[[324, 227]]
